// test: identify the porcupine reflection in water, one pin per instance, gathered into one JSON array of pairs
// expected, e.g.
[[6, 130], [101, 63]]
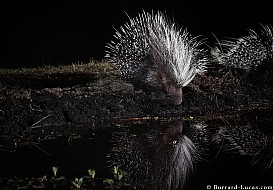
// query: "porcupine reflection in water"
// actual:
[[166, 157], [162, 158], [247, 140]]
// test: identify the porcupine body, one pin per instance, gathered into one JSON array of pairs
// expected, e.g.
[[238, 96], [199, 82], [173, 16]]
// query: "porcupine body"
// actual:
[[151, 51], [248, 52]]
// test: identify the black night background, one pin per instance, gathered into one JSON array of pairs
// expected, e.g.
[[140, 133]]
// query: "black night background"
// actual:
[[37, 33]]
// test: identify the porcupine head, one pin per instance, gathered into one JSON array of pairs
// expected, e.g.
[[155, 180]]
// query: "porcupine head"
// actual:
[[155, 52]]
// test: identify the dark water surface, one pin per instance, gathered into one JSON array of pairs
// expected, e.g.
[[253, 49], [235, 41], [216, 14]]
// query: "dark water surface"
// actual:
[[194, 153]]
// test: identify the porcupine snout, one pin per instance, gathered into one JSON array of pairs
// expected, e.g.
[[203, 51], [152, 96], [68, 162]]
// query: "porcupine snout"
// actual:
[[174, 92]]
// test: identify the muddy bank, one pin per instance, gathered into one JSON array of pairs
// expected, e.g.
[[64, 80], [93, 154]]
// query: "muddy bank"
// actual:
[[94, 93]]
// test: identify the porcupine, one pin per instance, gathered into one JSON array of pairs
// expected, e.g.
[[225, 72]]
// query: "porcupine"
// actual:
[[248, 52], [152, 51]]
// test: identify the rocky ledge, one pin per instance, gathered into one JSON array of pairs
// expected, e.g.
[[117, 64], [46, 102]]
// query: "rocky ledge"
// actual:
[[94, 93]]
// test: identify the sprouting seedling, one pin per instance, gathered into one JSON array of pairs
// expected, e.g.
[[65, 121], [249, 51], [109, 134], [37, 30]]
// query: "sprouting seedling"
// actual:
[[118, 172], [55, 169], [92, 173], [77, 182], [115, 170]]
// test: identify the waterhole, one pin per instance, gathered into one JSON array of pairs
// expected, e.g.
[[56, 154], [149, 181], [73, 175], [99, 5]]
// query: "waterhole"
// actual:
[[235, 151]]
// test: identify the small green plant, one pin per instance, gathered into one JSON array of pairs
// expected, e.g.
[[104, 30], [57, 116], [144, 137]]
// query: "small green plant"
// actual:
[[118, 173], [78, 182], [55, 169], [115, 170], [92, 173]]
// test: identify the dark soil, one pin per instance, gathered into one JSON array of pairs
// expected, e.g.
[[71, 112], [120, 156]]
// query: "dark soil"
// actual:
[[31, 100]]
